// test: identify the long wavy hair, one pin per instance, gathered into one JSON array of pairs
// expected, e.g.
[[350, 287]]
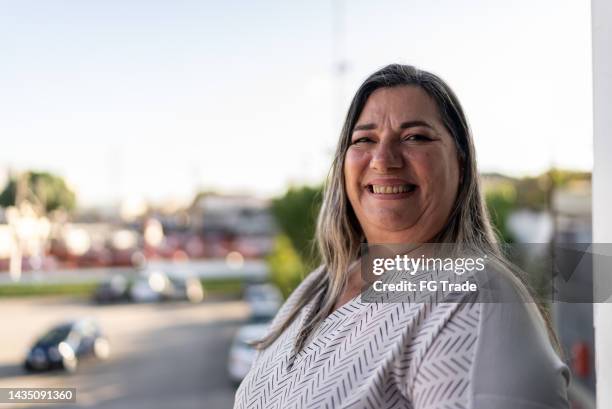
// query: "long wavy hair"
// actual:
[[339, 235]]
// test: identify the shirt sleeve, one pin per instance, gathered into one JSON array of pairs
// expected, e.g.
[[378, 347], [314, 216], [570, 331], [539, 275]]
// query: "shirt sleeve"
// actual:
[[492, 354], [515, 365]]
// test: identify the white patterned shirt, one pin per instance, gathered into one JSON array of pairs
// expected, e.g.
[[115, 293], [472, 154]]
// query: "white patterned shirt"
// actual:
[[468, 354]]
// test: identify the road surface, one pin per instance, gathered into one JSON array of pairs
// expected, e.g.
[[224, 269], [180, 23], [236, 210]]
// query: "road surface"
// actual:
[[163, 355]]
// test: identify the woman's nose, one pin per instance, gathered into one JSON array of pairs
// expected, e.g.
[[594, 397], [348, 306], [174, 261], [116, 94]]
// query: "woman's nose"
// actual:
[[386, 156]]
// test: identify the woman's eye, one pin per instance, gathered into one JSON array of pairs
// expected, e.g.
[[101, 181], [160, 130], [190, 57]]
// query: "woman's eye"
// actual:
[[417, 138], [364, 139]]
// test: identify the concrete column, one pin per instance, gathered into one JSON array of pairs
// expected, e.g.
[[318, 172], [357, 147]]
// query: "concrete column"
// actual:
[[601, 18]]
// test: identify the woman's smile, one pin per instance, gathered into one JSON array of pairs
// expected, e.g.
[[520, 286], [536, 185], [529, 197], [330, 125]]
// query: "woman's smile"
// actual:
[[390, 189]]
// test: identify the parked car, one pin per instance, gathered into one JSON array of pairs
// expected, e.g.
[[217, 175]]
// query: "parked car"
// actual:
[[158, 286], [116, 289], [63, 346], [264, 301], [242, 353]]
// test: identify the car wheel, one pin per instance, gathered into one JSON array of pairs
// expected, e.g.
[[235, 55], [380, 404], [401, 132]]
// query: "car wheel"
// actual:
[[70, 364], [195, 292], [101, 348]]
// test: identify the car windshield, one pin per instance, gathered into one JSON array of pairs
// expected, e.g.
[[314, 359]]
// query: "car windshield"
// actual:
[[56, 335]]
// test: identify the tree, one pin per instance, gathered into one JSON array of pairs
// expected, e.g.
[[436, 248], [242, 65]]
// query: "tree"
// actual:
[[44, 190], [296, 213], [501, 202], [294, 254], [286, 267]]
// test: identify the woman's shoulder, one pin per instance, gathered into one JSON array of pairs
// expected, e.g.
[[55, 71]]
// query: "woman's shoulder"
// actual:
[[296, 295], [499, 339], [309, 280], [515, 363]]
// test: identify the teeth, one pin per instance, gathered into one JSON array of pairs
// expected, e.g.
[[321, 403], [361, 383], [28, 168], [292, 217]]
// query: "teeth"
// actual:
[[384, 189]]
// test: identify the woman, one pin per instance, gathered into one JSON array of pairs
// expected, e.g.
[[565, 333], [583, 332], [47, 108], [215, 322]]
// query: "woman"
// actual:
[[404, 172]]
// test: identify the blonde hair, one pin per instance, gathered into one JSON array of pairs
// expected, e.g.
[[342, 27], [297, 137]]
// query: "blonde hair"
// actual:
[[339, 235]]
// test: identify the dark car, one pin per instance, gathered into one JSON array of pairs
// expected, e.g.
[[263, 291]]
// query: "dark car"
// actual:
[[184, 288], [64, 345], [154, 286], [114, 290]]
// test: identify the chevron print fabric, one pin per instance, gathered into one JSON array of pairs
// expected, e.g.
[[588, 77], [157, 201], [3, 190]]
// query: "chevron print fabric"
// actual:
[[365, 355], [415, 355]]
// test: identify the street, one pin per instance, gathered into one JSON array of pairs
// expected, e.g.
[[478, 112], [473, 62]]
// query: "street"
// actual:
[[162, 355]]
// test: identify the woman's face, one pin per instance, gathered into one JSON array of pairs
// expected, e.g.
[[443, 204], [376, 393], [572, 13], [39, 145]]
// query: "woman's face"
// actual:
[[401, 170]]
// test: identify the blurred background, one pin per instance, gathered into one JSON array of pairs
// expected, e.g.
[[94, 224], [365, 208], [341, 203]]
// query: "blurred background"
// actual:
[[162, 162]]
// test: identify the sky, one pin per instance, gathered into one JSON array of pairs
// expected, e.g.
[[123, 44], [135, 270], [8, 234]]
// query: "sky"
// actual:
[[158, 99]]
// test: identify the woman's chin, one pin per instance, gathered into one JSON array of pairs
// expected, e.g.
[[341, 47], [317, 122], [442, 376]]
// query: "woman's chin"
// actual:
[[396, 232]]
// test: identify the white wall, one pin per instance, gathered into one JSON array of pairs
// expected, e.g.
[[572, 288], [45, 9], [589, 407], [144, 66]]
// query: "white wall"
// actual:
[[601, 12]]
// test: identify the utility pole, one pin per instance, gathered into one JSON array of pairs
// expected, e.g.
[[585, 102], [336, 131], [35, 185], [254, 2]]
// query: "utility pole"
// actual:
[[339, 62]]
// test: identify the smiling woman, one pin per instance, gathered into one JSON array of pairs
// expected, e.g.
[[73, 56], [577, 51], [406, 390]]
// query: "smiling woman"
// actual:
[[401, 167], [405, 172]]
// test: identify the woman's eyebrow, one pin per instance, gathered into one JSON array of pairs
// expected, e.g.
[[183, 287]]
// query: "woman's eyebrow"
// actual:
[[403, 125], [364, 127], [412, 124]]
